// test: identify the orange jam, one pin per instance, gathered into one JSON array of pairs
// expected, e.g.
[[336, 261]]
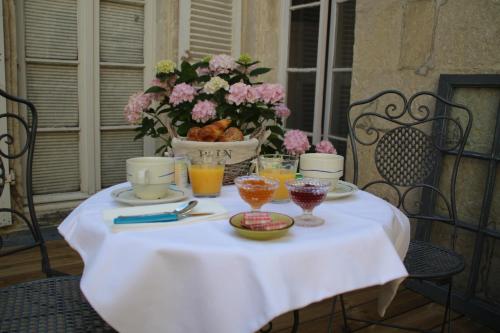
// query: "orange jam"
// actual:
[[256, 192]]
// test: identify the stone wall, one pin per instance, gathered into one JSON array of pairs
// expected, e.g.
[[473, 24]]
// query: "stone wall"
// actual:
[[260, 24], [407, 45]]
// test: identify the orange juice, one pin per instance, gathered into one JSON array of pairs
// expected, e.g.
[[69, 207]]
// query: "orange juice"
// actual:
[[206, 180], [281, 175]]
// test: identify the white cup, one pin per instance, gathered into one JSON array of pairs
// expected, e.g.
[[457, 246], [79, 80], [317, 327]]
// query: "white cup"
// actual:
[[150, 176], [322, 166]]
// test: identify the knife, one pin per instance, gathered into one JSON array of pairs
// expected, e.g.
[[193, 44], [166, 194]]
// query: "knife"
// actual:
[[153, 218]]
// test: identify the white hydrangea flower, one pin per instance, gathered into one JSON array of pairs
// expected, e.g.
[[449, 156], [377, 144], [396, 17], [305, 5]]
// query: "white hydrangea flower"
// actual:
[[215, 84]]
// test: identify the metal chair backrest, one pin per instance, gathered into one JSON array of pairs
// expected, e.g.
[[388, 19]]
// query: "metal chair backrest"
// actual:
[[413, 149], [26, 141]]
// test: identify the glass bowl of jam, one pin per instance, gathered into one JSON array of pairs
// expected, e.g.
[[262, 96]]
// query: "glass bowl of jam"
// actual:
[[255, 190], [308, 193]]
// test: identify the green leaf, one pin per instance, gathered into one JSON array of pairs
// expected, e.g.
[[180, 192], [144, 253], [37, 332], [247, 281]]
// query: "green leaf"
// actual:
[[161, 150], [188, 73], [154, 89], [139, 135], [259, 71], [183, 129]]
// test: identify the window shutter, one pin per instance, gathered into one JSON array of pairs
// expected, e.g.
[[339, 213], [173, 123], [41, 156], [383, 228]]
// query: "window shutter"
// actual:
[[210, 27], [121, 44], [51, 30], [117, 84], [54, 91], [56, 163], [51, 34], [122, 33]]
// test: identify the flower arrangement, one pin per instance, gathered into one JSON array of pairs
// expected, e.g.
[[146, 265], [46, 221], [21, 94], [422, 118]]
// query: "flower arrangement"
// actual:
[[216, 90], [297, 143]]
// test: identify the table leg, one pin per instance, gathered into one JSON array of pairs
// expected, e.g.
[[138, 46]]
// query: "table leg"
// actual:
[[295, 327]]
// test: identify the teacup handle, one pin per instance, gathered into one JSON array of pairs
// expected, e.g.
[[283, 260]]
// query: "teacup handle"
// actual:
[[143, 176]]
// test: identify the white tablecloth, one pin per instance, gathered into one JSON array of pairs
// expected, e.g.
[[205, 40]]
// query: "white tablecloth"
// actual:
[[202, 277]]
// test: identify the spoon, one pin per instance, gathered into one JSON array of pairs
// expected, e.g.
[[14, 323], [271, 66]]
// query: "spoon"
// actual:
[[178, 213]]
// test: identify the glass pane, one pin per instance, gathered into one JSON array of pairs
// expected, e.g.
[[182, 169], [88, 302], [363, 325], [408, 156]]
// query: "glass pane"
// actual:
[[483, 103], [464, 245], [469, 194], [341, 96], [304, 38], [116, 148], [340, 146], [301, 89], [301, 2], [488, 287], [494, 218], [345, 34]]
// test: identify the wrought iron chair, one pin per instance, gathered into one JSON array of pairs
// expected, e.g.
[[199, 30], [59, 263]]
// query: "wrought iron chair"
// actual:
[[54, 304], [417, 155]]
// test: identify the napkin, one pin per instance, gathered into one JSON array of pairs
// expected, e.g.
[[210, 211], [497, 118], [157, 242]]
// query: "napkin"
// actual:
[[203, 206]]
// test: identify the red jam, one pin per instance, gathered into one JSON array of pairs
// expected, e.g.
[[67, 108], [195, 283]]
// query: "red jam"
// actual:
[[307, 197]]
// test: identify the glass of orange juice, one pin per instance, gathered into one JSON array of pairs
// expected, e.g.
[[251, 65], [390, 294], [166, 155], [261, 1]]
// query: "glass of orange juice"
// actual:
[[281, 168], [206, 173]]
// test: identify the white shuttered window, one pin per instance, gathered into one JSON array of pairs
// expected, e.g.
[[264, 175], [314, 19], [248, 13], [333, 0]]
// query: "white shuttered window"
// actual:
[[209, 27], [81, 59], [121, 73]]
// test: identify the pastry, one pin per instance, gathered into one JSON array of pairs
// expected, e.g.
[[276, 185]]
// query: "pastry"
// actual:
[[193, 134], [231, 134], [212, 132]]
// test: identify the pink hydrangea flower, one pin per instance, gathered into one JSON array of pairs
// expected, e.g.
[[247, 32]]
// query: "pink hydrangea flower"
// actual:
[[296, 142], [271, 93], [201, 71], [203, 111], [222, 64], [282, 111], [238, 93], [182, 93], [326, 147], [135, 106], [252, 95]]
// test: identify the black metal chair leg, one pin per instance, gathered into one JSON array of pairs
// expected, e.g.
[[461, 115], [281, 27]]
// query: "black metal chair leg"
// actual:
[[447, 310], [296, 319], [332, 313], [344, 314]]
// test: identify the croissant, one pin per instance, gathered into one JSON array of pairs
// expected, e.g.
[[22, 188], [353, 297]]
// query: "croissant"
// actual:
[[193, 134], [231, 134], [210, 133], [222, 124]]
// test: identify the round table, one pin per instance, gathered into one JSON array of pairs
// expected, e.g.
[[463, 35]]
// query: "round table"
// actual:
[[203, 277]]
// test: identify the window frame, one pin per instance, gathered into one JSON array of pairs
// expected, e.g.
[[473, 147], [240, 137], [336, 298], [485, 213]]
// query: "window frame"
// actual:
[[88, 69], [324, 62]]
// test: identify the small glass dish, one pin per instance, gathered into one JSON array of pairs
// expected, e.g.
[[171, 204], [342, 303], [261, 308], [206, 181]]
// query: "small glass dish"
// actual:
[[307, 193], [255, 190]]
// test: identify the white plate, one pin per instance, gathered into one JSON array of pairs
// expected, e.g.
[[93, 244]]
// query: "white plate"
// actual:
[[343, 189], [126, 195]]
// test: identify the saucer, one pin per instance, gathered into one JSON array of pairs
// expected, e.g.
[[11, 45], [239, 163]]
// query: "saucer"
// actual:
[[126, 195], [235, 222], [343, 189]]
